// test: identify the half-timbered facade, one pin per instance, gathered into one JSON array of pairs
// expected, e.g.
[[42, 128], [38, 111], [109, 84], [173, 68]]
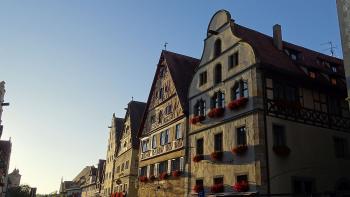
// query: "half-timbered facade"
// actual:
[[126, 160], [266, 116], [163, 128]]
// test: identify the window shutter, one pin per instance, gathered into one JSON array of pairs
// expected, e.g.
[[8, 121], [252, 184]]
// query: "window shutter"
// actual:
[[148, 170], [139, 171], [181, 163], [169, 166]]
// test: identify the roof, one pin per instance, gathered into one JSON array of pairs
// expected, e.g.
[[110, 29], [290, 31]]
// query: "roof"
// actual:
[[277, 60], [118, 123], [181, 69], [84, 174], [135, 110], [66, 185]]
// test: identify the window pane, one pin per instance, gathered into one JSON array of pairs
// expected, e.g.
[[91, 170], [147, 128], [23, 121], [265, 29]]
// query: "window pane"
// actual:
[[218, 142], [241, 136], [199, 146]]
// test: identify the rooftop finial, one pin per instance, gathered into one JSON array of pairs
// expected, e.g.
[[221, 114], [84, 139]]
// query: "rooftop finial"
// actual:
[[132, 98], [165, 44]]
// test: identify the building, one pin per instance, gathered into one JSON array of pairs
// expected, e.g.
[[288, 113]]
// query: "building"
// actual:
[[343, 7], [88, 186], [163, 128], [5, 147], [126, 160], [13, 179], [267, 116], [100, 176], [114, 133], [69, 189]]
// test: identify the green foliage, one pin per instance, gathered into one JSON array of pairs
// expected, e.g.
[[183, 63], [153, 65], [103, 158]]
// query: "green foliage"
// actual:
[[20, 191]]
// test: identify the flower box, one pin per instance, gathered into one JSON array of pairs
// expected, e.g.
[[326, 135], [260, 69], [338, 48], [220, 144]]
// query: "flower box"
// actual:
[[198, 158], [198, 188], [237, 103], [143, 179], [281, 150], [216, 112], [240, 149], [242, 186], [119, 194], [197, 119], [176, 173], [216, 155], [163, 176], [217, 188]]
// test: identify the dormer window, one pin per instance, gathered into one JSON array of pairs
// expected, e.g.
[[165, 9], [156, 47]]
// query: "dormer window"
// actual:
[[334, 68], [292, 54], [200, 108], [333, 80], [217, 74], [218, 100], [217, 48]]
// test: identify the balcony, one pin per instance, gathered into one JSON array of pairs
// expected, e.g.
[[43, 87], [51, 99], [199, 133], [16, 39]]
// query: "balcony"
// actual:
[[295, 112], [171, 146]]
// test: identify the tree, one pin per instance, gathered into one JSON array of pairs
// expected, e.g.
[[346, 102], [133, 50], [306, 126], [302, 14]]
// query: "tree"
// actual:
[[20, 191]]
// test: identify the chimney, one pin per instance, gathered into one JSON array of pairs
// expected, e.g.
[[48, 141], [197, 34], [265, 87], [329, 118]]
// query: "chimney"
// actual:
[[277, 36]]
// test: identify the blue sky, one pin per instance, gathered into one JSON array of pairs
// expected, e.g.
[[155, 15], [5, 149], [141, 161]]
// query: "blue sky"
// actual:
[[68, 65]]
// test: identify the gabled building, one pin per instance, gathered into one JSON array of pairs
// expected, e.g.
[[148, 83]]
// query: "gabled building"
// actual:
[[267, 116], [126, 160], [114, 134], [100, 176], [89, 186], [163, 128]]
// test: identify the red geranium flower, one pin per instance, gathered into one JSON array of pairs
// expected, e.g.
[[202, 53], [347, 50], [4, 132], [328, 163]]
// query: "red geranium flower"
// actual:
[[198, 158], [242, 186]]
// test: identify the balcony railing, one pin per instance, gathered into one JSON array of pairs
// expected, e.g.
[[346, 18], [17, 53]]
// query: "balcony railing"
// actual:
[[163, 149], [295, 112]]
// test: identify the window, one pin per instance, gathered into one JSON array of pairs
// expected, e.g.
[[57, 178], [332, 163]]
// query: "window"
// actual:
[[126, 164], [143, 171], [175, 164], [163, 167], [200, 108], [160, 116], [279, 135], [145, 145], [218, 100], [340, 147], [153, 119], [199, 182], [151, 170], [285, 92], [219, 180], [125, 187], [118, 169], [162, 72], [312, 74], [199, 146], [178, 131], [242, 178], [240, 89], [217, 48], [168, 109], [333, 81], [241, 136], [233, 60], [302, 185], [218, 142], [164, 137], [122, 167], [161, 93], [217, 74], [334, 68], [202, 78], [154, 141], [334, 106]]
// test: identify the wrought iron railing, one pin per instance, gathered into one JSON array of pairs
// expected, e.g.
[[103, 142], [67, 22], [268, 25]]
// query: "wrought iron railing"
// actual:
[[295, 112]]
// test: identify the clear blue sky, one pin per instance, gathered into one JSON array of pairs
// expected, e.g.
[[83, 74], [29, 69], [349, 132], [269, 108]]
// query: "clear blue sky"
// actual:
[[68, 65]]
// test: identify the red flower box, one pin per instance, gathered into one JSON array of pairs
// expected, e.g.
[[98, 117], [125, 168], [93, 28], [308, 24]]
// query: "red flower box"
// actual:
[[198, 188], [176, 173], [281, 150], [163, 176], [237, 103], [216, 112], [143, 179], [198, 158], [242, 186], [240, 149], [152, 178], [217, 188], [197, 119], [216, 155]]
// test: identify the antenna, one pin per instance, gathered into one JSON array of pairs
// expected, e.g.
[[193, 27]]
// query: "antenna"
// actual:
[[331, 47], [165, 44]]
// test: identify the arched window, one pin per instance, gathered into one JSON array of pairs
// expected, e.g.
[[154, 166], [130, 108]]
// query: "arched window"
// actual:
[[200, 108], [217, 74], [240, 89], [218, 100], [217, 48]]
